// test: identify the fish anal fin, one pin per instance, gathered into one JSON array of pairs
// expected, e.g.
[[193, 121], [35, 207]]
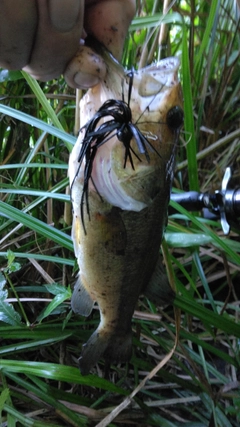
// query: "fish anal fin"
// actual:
[[110, 346], [158, 289], [81, 302]]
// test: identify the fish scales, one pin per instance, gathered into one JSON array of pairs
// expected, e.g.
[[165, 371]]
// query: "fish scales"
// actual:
[[118, 248]]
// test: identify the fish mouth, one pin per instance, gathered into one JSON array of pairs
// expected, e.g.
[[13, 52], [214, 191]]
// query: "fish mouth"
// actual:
[[110, 188], [166, 65], [159, 76], [115, 136], [131, 188]]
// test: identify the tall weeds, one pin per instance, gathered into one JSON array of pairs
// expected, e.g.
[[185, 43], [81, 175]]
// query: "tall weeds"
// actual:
[[40, 338]]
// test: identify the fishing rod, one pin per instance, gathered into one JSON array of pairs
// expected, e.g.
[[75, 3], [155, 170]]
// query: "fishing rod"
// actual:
[[223, 204]]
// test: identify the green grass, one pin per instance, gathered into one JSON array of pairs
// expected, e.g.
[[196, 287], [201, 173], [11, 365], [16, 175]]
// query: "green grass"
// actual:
[[40, 384]]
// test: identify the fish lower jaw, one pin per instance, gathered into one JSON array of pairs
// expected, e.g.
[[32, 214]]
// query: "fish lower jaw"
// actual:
[[109, 187]]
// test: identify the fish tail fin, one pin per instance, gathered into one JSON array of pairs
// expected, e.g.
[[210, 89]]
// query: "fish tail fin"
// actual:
[[110, 346], [119, 348]]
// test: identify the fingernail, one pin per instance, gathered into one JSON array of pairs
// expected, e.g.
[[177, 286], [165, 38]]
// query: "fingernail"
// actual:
[[84, 81], [65, 14]]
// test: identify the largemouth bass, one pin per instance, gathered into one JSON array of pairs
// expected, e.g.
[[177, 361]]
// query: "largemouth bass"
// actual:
[[120, 190]]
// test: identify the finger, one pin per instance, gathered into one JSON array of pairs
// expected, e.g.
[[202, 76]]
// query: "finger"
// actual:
[[108, 21], [18, 21], [85, 70], [57, 39], [64, 18]]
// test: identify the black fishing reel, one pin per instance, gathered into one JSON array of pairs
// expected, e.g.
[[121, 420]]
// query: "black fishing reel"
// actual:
[[223, 204]]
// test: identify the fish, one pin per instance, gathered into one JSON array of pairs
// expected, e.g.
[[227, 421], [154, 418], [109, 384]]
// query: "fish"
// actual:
[[120, 185]]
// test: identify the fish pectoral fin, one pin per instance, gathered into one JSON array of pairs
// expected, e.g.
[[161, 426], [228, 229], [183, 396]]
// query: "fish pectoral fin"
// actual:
[[81, 301], [158, 289], [111, 347]]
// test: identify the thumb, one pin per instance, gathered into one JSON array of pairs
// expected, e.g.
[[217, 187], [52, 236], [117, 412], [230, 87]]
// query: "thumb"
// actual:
[[108, 21]]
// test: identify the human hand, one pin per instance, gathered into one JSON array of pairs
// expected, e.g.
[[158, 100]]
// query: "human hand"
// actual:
[[108, 22], [42, 36]]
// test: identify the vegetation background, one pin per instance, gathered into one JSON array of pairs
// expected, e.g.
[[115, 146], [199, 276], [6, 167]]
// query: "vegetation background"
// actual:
[[40, 384]]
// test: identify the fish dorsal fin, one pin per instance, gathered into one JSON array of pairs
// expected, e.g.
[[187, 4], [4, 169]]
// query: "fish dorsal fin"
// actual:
[[81, 301], [158, 290]]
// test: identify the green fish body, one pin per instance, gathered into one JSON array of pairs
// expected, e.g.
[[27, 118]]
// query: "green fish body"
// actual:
[[118, 248]]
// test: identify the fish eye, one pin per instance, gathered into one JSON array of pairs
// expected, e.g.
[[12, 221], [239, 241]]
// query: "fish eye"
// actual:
[[175, 117]]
